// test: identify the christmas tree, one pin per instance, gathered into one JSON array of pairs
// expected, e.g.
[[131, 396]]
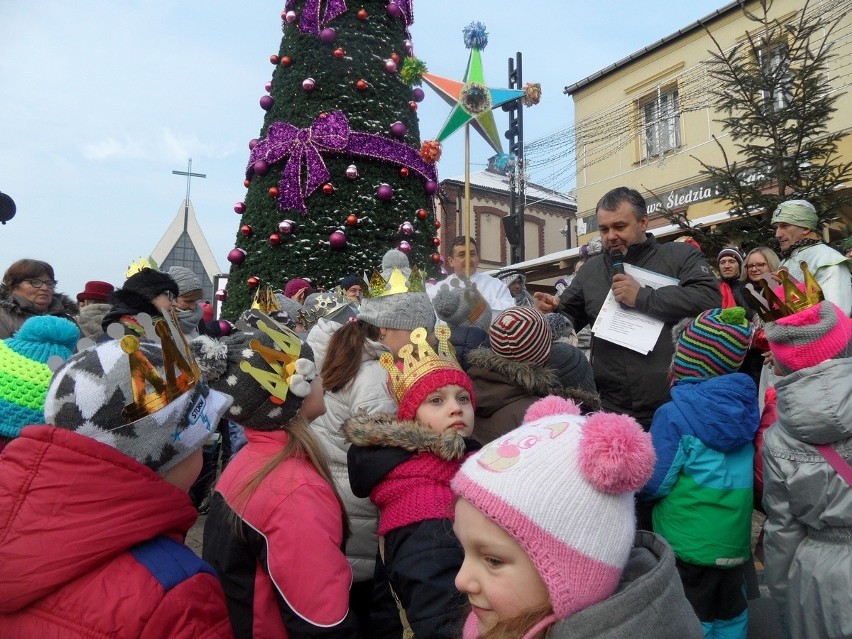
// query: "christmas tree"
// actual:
[[337, 176]]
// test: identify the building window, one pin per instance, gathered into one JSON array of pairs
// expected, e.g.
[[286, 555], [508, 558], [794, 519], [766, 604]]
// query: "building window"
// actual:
[[660, 115], [777, 76]]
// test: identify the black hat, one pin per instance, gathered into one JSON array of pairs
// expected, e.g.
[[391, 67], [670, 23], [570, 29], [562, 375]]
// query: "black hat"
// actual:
[[149, 283]]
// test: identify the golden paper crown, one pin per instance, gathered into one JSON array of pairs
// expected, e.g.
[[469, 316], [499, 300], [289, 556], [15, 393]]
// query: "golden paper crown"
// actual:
[[396, 283], [770, 307], [415, 367], [265, 300], [138, 265], [166, 384]]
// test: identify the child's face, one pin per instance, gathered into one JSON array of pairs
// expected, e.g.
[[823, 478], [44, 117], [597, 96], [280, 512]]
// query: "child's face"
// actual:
[[498, 577], [447, 408]]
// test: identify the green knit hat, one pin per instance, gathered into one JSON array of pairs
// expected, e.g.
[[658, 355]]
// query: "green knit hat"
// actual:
[[24, 371]]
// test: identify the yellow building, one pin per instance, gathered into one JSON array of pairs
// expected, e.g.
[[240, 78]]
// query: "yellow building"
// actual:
[[644, 121]]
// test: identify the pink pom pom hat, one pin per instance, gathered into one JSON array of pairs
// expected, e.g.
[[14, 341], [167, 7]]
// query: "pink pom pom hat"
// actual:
[[562, 486]]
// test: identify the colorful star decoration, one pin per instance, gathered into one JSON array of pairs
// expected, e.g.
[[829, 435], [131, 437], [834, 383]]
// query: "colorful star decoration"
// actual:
[[472, 100]]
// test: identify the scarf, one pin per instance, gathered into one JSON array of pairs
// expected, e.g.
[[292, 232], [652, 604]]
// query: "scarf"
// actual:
[[808, 241]]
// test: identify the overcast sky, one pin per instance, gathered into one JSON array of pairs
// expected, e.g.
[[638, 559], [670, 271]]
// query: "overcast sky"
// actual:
[[100, 100]]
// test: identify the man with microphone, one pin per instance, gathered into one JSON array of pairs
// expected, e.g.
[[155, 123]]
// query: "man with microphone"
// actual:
[[629, 382]]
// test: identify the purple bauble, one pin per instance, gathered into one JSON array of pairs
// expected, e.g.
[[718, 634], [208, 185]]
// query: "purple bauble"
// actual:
[[221, 295], [405, 247], [406, 228], [309, 84], [261, 167], [393, 10], [390, 66], [418, 94], [286, 227], [352, 172], [431, 187], [253, 143], [384, 192], [237, 256], [290, 17], [266, 102], [268, 87], [328, 35], [225, 328], [409, 47], [337, 240], [240, 207], [398, 129]]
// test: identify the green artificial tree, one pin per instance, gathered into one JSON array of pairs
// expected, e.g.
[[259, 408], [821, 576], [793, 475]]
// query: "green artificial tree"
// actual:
[[338, 175], [776, 99]]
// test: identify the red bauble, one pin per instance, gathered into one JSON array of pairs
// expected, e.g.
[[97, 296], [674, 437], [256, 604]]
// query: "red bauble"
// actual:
[[395, 57], [361, 85], [412, 106], [273, 191], [436, 242], [436, 257], [253, 282], [274, 59], [352, 219], [275, 239], [286, 61], [246, 183], [362, 14], [437, 224], [245, 229], [422, 214], [403, 172], [328, 188], [240, 208], [339, 53]]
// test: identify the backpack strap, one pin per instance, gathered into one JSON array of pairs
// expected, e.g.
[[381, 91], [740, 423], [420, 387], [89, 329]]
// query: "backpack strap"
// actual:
[[837, 462], [169, 562]]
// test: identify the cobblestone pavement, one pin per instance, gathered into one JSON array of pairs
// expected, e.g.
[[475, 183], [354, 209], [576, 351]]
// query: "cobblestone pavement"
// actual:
[[195, 535]]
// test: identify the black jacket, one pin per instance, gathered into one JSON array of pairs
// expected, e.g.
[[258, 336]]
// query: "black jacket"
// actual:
[[629, 382]]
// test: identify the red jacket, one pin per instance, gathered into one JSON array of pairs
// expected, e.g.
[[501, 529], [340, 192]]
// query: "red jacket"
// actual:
[[77, 520]]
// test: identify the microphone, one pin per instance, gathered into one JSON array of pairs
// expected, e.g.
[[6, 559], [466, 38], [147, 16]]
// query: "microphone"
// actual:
[[617, 260]]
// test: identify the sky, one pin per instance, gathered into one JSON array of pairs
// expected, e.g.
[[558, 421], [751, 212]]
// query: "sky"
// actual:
[[101, 100]]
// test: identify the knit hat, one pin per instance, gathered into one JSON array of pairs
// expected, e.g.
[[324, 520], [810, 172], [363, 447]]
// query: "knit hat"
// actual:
[[730, 251], [422, 371], [798, 213], [295, 285], [809, 337], [186, 280], [349, 281], [119, 393], [290, 307], [508, 276], [714, 343], [460, 305], [522, 334], [24, 371], [325, 304], [562, 486], [96, 291], [149, 283], [265, 368]]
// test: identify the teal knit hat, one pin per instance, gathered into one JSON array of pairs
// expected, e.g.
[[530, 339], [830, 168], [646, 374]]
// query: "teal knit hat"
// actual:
[[24, 373]]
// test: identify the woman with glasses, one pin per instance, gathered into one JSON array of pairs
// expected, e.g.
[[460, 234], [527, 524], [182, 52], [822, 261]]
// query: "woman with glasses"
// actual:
[[146, 291], [759, 261], [28, 289]]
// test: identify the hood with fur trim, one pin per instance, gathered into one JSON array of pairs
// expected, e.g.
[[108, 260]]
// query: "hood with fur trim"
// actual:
[[386, 431], [533, 378]]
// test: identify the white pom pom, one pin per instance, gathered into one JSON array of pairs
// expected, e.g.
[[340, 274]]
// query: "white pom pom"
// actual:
[[299, 386]]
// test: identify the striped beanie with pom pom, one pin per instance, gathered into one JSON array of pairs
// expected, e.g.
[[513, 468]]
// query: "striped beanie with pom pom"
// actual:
[[553, 484], [810, 337], [714, 343]]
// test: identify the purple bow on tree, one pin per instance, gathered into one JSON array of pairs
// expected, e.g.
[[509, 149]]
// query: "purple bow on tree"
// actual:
[[311, 20]]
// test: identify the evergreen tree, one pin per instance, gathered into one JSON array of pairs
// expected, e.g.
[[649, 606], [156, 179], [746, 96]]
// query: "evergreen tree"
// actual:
[[774, 93], [338, 152]]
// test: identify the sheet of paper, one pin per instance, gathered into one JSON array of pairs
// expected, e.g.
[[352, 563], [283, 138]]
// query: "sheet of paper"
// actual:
[[628, 327]]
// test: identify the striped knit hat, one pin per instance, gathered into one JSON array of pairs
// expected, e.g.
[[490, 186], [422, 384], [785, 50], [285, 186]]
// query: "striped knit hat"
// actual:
[[522, 334], [714, 343], [24, 373], [810, 337], [554, 484]]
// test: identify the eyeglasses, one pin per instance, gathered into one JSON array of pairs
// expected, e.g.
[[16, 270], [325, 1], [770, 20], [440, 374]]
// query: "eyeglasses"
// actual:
[[38, 283], [754, 266]]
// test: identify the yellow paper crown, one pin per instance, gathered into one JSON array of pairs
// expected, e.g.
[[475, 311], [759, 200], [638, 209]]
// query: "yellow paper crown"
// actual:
[[138, 265], [770, 307], [396, 283], [415, 367], [264, 300], [180, 371], [281, 360]]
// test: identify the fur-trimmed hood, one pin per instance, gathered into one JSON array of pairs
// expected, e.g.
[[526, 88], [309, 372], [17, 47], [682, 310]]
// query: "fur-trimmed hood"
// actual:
[[534, 379], [60, 305], [386, 431]]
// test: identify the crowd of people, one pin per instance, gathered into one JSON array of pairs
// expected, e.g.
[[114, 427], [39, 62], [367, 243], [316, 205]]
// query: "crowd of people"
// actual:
[[460, 459]]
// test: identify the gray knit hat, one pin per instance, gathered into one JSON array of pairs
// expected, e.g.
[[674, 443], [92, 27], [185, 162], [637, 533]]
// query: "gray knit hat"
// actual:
[[405, 311], [461, 305], [186, 280], [94, 394], [266, 395]]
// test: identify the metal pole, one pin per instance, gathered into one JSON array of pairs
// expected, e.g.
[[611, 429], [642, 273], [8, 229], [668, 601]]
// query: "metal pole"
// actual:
[[467, 199]]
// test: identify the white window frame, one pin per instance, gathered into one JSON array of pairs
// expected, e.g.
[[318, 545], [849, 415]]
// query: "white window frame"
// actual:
[[660, 122], [776, 57]]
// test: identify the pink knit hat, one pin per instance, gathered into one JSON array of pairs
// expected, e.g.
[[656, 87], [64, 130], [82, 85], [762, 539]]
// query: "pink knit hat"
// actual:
[[810, 337], [562, 486], [295, 285]]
